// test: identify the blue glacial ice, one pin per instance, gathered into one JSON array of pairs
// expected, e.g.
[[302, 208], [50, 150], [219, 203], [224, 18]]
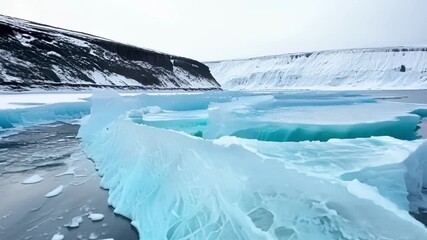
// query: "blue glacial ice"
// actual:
[[67, 111], [279, 117], [270, 119], [215, 166]]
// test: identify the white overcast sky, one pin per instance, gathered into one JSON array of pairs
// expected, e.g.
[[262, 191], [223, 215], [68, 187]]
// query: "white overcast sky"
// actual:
[[224, 29]]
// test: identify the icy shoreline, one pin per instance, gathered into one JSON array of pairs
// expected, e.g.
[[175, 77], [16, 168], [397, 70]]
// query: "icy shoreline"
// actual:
[[183, 189], [198, 125], [40, 217]]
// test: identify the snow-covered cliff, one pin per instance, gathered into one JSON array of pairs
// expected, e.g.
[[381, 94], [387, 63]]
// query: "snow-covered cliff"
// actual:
[[38, 56], [358, 69]]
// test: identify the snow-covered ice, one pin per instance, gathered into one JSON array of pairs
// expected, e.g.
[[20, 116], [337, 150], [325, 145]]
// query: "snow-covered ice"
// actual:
[[33, 179], [55, 192]]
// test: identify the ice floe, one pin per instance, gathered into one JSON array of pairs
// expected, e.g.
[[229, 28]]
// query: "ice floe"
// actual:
[[58, 236], [33, 179], [96, 217], [55, 192]]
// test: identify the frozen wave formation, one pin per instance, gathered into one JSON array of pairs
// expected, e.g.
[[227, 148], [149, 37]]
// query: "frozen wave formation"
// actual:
[[175, 166]]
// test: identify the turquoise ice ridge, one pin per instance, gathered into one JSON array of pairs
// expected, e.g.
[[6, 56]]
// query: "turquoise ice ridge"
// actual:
[[278, 117], [12, 118], [208, 166]]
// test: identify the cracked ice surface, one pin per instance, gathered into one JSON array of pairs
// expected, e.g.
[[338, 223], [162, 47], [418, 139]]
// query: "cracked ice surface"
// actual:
[[178, 167]]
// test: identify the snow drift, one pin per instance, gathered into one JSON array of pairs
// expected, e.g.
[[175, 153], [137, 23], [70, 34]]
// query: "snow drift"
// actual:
[[373, 68]]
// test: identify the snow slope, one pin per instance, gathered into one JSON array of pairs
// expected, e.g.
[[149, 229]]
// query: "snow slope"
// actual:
[[361, 69], [39, 56]]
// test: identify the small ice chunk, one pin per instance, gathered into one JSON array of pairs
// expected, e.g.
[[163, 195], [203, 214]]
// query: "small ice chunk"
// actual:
[[75, 222], [93, 236], [7, 215], [70, 171], [55, 192], [96, 216], [33, 179], [58, 237]]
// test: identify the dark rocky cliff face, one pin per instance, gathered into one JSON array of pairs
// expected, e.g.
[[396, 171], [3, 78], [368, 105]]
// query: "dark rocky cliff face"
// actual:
[[38, 56]]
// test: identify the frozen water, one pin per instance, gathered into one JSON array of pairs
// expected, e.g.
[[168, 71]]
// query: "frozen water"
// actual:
[[33, 179], [274, 118], [43, 114], [75, 222], [58, 237], [402, 182], [55, 192], [96, 217], [281, 117], [20, 100], [329, 159], [184, 170], [193, 187], [70, 171], [241, 165], [93, 236]]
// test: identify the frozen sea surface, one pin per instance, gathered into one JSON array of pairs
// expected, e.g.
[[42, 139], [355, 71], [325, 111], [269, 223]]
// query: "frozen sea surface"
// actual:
[[219, 165]]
